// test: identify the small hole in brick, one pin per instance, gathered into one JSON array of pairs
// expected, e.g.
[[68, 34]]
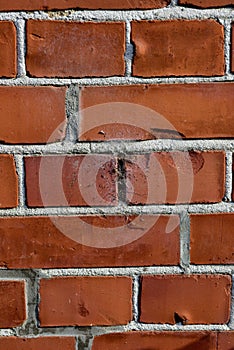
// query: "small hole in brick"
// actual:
[[179, 319]]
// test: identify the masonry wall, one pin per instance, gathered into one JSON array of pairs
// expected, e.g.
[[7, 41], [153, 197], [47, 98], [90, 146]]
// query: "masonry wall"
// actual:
[[116, 196]]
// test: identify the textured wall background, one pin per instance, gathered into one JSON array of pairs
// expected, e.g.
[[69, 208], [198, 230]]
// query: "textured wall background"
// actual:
[[116, 219]]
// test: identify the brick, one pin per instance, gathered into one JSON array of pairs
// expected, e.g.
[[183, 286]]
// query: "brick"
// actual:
[[232, 52], [36, 116], [71, 181], [212, 239], [7, 49], [8, 182], [176, 177], [226, 340], [81, 4], [195, 111], [206, 3], [198, 299], [35, 242], [98, 50], [85, 301], [178, 48], [156, 340], [45, 343], [12, 304]]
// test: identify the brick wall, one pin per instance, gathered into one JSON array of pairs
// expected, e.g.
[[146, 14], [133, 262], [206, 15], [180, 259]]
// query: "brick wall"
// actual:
[[116, 196]]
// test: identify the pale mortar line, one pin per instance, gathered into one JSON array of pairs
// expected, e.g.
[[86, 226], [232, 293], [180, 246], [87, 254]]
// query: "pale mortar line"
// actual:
[[114, 80], [184, 240], [133, 326], [129, 50], [72, 111], [229, 176], [30, 326], [231, 322], [135, 297], [227, 43], [160, 209], [7, 332], [19, 164], [174, 3], [21, 47], [170, 12], [121, 147], [137, 271]]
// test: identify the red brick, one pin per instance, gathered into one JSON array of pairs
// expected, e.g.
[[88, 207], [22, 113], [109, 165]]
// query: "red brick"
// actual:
[[64, 180], [98, 50], [34, 117], [85, 301], [199, 299], [178, 48], [212, 239], [45, 343], [34, 242], [206, 3], [156, 340], [80, 4], [232, 60], [7, 49], [195, 111], [8, 182], [226, 340], [176, 177], [12, 304]]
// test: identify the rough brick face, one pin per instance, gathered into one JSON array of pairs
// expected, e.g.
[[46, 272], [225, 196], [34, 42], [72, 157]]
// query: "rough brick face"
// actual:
[[156, 340], [98, 49], [8, 182], [212, 239], [116, 184], [66, 181], [206, 3], [201, 299], [232, 62], [176, 177], [225, 341], [7, 49], [81, 4], [173, 48], [194, 110], [44, 105], [12, 304], [35, 242], [45, 343], [85, 301]]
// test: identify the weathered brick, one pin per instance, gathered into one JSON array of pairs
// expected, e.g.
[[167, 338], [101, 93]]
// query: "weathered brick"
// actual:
[[156, 340], [12, 304], [98, 49], [232, 52], [194, 111], [206, 3], [36, 116], [85, 301], [8, 182], [71, 181], [212, 239], [35, 242], [45, 343], [176, 177], [80, 4], [225, 340], [178, 48], [198, 299], [7, 49]]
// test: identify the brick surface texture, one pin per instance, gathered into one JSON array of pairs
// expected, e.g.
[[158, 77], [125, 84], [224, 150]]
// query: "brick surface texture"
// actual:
[[116, 174]]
